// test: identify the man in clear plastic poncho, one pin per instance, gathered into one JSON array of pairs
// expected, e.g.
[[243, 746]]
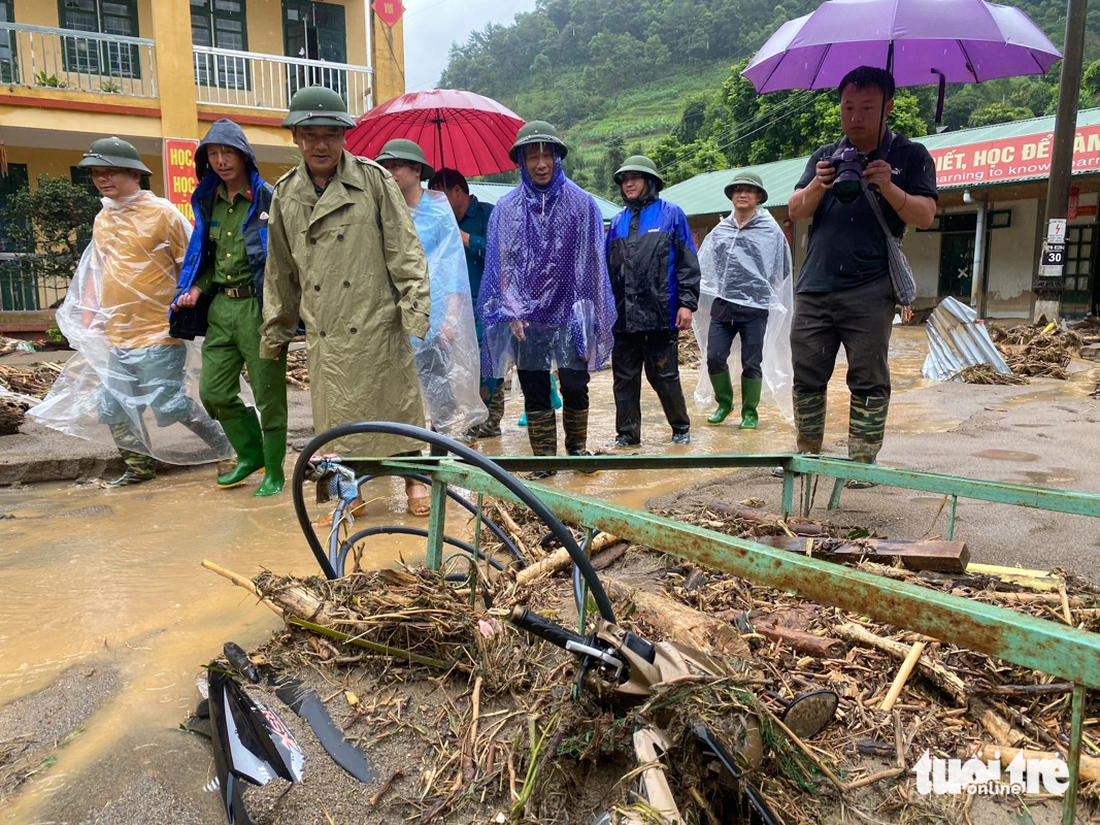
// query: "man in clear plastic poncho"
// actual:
[[116, 317], [447, 360], [546, 298], [746, 293]]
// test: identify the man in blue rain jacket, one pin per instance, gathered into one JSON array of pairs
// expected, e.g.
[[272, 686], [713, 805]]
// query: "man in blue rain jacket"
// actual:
[[220, 292], [655, 278]]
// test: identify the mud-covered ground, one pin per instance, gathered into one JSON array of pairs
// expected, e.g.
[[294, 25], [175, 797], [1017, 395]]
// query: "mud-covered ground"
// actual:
[[1042, 434]]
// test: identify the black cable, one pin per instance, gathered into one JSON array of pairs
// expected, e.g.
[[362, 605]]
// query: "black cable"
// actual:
[[333, 542], [472, 457], [349, 542]]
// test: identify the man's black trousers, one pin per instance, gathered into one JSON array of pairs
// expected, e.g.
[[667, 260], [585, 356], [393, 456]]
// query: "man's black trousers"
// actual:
[[657, 351]]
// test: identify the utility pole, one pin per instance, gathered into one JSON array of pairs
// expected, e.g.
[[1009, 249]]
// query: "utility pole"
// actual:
[[1048, 285]]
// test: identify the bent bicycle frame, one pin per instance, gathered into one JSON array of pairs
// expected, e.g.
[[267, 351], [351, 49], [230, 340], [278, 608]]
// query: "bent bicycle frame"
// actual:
[[1069, 653]]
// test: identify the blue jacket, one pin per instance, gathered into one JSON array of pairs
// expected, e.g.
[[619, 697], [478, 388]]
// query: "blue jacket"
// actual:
[[652, 265], [191, 322]]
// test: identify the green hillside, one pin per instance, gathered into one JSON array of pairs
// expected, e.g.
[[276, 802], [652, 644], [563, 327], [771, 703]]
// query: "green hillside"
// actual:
[[663, 76]]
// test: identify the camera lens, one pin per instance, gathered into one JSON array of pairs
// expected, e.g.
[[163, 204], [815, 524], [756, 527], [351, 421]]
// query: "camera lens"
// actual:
[[847, 184]]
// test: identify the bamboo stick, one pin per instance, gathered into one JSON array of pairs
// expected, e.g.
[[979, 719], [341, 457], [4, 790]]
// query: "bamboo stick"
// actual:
[[1090, 765], [950, 683], [902, 677], [241, 581], [561, 559]]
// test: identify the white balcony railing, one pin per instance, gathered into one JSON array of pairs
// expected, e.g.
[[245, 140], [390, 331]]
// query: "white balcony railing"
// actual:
[[265, 81], [40, 57]]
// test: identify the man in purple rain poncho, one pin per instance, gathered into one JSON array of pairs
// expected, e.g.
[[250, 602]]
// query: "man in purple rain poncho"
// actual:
[[546, 299]]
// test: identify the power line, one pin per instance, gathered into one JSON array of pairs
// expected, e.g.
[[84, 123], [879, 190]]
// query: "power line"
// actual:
[[793, 105]]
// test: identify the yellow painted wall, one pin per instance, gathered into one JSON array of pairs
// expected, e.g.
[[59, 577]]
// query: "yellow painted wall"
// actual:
[[389, 66], [36, 12]]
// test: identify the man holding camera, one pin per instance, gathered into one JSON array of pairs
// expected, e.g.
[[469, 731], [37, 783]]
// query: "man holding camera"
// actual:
[[845, 294]]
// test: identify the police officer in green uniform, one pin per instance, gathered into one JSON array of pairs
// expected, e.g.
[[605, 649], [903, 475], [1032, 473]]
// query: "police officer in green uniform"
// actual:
[[220, 295]]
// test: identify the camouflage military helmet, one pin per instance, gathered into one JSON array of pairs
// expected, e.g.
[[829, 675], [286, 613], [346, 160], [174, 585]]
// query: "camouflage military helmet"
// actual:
[[114, 152], [537, 131], [317, 106], [402, 149], [639, 163]]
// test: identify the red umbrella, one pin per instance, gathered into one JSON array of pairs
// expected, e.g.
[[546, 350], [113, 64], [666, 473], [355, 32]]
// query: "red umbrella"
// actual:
[[460, 130]]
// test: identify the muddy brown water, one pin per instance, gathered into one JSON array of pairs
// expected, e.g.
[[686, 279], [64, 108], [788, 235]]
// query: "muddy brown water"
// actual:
[[86, 573]]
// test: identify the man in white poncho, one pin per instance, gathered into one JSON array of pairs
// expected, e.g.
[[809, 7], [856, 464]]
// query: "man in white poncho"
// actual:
[[746, 293], [447, 359], [116, 317]]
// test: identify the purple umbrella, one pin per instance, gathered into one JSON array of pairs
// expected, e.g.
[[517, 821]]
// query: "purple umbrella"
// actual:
[[919, 41]]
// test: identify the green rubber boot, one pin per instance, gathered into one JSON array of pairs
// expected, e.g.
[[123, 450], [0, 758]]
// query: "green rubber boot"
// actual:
[[247, 439], [750, 400], [723, 394], [274, 453]]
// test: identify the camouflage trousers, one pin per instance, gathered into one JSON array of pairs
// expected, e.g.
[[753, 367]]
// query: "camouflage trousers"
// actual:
[[861, 319]]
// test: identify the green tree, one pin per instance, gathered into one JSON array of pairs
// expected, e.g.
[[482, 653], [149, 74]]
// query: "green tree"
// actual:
[[998, 113], [612, 160], [541, 67], [51, 224], [678, 162]]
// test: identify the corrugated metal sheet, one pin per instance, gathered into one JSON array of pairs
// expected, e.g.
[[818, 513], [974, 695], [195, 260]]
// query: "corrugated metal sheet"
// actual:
[[492, 192], [703, 195], [957, 339]]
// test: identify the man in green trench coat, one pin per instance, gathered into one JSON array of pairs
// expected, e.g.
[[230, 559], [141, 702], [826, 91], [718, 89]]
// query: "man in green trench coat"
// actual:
[[344, 257]]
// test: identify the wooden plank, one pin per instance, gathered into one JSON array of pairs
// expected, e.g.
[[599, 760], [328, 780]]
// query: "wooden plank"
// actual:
[[938, 555]]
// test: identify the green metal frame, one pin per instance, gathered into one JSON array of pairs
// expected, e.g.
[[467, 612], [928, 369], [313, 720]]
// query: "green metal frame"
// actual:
[[1071, 654]]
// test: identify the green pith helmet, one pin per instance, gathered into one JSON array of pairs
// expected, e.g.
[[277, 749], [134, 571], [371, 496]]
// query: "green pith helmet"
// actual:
[[639, 163], [317, 106], [402, 149], [537, 131], [115, 152], [747, 179]]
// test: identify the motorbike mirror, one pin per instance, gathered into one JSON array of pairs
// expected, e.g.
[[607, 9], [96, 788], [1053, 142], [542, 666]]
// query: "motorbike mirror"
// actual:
[[809, 713]]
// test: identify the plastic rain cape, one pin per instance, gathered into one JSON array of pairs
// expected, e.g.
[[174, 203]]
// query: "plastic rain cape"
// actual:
[[447, 360], [750, 266], [130, 384], [545, 266]]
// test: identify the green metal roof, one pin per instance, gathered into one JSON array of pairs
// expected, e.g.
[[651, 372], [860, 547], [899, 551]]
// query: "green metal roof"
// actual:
[[492, 192], [704, 195]]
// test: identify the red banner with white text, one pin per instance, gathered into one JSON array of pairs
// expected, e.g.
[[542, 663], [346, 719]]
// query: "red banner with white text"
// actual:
[[997, 161]]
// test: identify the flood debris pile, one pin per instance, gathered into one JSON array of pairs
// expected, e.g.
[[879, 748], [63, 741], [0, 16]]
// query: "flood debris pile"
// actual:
[[985, 374], [20, 386], [1043, 350], [297, 372], [503, 737], [689, 352]]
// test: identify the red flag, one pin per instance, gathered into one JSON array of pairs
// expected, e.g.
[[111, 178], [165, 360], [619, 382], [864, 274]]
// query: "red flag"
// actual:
[[388, 11]]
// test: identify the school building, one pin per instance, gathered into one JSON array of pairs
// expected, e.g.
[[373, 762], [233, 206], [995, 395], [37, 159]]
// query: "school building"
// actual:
[[157, 71], [994, 177]]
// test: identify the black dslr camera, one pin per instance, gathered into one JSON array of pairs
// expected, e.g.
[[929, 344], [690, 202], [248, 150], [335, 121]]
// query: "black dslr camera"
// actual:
[[849, 163]]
